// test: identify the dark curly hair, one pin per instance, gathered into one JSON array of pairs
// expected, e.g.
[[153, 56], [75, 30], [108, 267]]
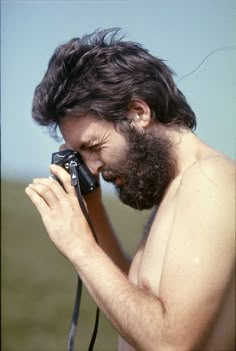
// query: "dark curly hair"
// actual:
[[101, 74]]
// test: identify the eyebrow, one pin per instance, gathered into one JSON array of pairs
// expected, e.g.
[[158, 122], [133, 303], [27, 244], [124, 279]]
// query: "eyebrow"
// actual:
[[80, 145]]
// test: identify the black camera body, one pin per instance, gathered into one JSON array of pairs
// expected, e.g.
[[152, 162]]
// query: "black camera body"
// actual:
[[73, 163]]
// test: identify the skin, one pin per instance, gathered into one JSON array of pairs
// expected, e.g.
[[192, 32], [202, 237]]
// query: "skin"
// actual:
[[177, 291]]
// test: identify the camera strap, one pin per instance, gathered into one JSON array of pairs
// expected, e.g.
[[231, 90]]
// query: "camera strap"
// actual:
[[76, 183]]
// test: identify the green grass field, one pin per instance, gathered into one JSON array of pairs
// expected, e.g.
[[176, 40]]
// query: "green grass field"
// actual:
[[38, 284]]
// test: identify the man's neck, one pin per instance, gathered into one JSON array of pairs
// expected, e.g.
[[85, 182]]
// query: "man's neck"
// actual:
[[188, 148]]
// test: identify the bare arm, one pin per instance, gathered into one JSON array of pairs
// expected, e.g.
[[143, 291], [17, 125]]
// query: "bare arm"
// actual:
[[200, 258], [189, 295], [105, 233]]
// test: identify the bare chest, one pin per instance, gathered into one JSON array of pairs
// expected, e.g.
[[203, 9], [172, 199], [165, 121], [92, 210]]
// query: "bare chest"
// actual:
[[147, 265]]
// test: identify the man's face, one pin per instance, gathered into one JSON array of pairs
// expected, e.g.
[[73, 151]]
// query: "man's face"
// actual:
[[144, 170], [140, 165]]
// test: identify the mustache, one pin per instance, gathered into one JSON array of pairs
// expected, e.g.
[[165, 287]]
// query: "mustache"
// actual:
[[109, 175]]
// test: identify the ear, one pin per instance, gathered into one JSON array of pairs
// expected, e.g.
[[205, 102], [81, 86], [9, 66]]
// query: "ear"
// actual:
[[139, 114]]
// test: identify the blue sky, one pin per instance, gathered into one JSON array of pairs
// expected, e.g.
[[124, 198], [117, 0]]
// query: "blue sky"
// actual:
[[181, 32]]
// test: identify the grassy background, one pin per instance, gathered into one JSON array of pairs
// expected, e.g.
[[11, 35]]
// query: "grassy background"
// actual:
[[38, 284]]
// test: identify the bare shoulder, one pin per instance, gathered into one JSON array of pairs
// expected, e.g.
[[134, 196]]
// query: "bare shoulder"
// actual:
[[217, 169], [210, 181], [209, 186]]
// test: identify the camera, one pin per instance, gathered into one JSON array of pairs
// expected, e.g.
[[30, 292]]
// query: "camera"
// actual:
[[73, 163]]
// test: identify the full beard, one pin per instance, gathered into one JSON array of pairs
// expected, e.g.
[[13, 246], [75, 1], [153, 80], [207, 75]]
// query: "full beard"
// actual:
[[146, 168]]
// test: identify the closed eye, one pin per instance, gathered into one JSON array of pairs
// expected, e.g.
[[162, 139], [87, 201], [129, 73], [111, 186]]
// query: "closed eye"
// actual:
[[85, 146], [94, 147]]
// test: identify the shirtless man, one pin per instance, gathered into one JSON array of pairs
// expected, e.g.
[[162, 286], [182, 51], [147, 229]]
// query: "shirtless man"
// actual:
[[119, 107]]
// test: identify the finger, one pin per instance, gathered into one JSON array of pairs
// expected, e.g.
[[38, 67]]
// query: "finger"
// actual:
[[64, 177], [46, 193], [53, 184], [37, 200]]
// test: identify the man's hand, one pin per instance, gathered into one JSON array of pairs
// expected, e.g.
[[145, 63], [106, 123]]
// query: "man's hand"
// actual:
[[60, 211]]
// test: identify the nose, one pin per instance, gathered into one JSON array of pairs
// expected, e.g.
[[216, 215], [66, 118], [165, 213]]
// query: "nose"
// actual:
[[93, 162]]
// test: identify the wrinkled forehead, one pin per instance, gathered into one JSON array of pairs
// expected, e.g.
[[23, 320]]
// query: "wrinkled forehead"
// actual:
[[76, 129], [73, 124]]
